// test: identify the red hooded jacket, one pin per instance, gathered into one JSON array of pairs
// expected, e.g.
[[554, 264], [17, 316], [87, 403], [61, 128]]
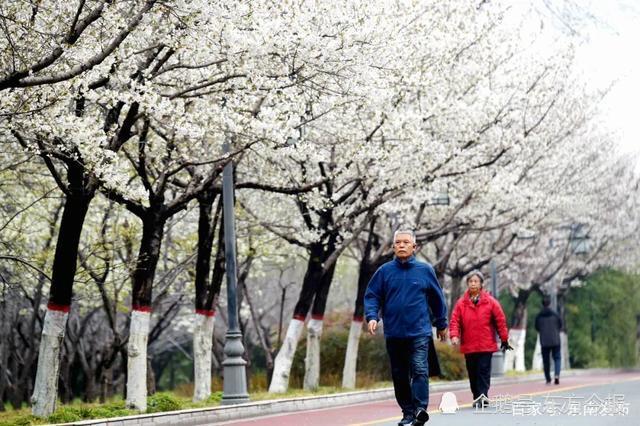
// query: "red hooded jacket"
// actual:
[[476, 325]]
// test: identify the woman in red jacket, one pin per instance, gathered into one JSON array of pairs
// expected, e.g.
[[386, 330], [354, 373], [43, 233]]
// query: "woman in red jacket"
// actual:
[[475, 319]]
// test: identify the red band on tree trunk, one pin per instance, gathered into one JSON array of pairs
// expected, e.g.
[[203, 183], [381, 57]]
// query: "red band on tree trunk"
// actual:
[[299, 317], [55, 307], [318, 317], [358, 318], [206, 312], [141, 308]]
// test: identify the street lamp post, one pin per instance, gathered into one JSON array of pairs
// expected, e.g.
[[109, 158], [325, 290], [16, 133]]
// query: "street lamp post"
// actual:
[[234, 389], [497, 360]]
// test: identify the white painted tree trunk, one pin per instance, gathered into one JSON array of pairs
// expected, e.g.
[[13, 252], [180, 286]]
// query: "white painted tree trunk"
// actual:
[[351, 357], [537, 356], [514, 360], [137, 360], [564, 351], [45, 390], [202, 345], [282, 364], [312, 360]]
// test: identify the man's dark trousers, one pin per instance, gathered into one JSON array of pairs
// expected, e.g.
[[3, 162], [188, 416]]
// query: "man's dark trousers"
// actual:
[[479, 370], [546, 350], [409, 371]]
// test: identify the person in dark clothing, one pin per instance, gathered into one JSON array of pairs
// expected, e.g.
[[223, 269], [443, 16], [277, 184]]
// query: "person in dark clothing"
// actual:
[[407, 293], [548, 325]]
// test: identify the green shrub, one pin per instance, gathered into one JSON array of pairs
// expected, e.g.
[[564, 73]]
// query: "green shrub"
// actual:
[[107, 412], [215, 397], [25, 420], [162, 402], [373, 362], [452, 363], [66, 414]]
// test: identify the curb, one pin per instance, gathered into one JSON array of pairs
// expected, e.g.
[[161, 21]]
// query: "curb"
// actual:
[[225, 413]]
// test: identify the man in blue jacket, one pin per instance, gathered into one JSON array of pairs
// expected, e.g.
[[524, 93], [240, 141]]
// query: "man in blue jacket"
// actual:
[[406, 292]]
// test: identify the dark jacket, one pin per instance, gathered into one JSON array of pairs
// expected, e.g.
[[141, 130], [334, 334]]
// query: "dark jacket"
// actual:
[[548, 325], [405, 292]]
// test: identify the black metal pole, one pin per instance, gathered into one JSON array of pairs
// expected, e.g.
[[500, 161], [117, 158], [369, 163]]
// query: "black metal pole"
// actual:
[[234, 388], [494, 279], [497, 361]]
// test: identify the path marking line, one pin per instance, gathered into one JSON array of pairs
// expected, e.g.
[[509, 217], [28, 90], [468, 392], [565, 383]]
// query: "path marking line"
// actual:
[[468, 405]]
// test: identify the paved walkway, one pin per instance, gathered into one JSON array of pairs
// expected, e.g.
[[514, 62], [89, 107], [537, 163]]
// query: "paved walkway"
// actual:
[[387, 412]]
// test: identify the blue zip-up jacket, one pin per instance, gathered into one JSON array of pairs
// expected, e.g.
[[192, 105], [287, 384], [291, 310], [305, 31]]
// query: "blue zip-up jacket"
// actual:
[[405, 292]]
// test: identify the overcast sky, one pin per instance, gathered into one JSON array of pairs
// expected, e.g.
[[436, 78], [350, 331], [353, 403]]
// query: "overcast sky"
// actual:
[[611, 52]]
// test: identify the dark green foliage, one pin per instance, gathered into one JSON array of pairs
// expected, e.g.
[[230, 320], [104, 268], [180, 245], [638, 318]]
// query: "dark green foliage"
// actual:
[[451, 362], [173, 369], [67, 414], [372, 357], [25, 420], [601, 320], [215, 397], [73, 413], [162, 402], [111, 409], [372, 365]]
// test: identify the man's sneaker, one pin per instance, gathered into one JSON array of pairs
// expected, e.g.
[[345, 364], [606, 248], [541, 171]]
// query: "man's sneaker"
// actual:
[[556, 380], [548, 382], [421, 417], [407, 419]]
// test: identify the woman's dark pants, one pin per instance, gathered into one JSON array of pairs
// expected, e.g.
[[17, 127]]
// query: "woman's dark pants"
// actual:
[[479, 370], [410, 372]]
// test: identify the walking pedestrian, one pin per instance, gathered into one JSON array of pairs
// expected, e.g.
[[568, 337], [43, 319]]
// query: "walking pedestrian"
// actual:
[[476, 318], [406, 291], [548, 325]]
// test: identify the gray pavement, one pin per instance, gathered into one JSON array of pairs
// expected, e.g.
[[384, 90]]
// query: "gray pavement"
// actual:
[[377, 407], [584, 406]]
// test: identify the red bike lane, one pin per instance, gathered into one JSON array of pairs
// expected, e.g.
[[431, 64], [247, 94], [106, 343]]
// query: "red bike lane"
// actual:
[[387, 412]]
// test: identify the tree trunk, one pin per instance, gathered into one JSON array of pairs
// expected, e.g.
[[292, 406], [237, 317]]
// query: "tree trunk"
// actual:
[[351, 356], [368, 267], [77, 203], [45, 390], [536, 364], [564, 351], [312, 360], [202, 345], [151, 379], [206, 293], [143, 275], [4, 350], [312, 280], [518, 333], [106, 384], [282, 366], [637, 339], [137, 360], [314, 329], [564, 340]]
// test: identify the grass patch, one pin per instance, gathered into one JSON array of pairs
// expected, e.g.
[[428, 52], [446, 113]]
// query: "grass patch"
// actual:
[[159, 402]]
